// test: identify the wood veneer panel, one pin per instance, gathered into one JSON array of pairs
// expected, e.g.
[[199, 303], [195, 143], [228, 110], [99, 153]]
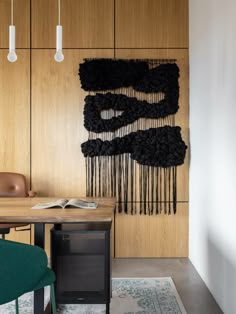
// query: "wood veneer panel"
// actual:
[[86, 23], [21, 21], [151, 23], [162, 235], [15, 121], [19, 236], [152, 236], [20, 210], [15, 113], [58, 166]]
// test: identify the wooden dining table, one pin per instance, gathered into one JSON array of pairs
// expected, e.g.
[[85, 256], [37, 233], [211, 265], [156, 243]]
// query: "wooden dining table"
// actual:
[[19, 210]]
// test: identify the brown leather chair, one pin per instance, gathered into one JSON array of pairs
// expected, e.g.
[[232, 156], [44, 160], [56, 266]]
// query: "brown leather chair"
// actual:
[[12, 185]]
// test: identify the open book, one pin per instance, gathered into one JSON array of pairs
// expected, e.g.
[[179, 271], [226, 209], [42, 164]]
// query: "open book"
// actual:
[[63, 203]]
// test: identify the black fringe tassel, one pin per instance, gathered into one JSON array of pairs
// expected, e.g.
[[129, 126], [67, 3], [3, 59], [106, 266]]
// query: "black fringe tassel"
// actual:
[[137, 188]]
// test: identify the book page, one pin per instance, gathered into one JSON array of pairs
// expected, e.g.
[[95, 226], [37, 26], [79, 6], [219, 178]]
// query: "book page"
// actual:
[[57, 203], [75, 202]]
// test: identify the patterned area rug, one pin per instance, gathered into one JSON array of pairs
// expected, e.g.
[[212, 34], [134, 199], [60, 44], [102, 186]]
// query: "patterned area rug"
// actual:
[[129, 296]]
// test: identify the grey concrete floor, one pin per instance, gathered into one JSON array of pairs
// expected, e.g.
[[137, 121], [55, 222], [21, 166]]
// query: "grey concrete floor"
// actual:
[[192, 290]]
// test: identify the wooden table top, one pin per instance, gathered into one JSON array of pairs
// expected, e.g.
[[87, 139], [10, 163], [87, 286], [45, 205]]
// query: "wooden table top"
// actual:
[[20, 210]]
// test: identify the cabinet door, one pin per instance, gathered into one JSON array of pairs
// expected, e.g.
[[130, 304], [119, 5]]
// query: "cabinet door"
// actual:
[[15, 121], [159, 235], [151, 23], [86, 23]]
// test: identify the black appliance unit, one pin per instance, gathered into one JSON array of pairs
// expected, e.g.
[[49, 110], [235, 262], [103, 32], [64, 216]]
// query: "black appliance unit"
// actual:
[[80, 256]]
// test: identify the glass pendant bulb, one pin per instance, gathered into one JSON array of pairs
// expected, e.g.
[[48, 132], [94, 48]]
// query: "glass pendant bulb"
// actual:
[[59, 57], [12, 57]]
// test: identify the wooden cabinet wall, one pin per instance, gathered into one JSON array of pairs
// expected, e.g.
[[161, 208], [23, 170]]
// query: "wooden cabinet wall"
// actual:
[[21, 19], [41, 101], [152, 24], [15, 119], [86, 23]]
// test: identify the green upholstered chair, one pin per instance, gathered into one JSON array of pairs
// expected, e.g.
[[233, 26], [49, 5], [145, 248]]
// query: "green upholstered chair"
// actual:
[[23, 268]]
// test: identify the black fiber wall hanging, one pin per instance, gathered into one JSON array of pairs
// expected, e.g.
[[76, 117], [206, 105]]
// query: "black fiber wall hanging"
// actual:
[[133, 148]]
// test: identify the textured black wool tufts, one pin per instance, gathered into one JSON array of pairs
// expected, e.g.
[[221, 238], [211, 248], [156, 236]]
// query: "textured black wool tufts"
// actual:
[[134, 148], [103, 74], [159, 79], [132, 109], [156, 147]]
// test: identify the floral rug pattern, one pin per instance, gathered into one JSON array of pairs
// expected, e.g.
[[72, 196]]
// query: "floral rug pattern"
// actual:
[[129, 296]]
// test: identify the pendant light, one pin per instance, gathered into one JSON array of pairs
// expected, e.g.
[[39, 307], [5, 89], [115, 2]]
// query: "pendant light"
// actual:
[[12, 57], [59, 57]]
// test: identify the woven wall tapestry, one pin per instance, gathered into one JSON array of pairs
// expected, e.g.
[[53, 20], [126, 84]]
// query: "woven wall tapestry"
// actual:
[[133, 148]]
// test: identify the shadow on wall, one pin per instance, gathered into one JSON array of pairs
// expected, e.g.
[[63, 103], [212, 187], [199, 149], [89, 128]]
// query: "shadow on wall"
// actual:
[[221, 274]]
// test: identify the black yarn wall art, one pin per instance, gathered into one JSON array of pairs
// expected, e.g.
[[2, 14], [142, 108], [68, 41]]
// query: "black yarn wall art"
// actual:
[[133, 148]]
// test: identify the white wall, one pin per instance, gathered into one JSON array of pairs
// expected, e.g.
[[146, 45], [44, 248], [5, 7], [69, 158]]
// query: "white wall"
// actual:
[[213, 146]]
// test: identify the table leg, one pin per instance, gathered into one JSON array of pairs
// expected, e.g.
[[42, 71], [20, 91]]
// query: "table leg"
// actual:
[[39, 240]]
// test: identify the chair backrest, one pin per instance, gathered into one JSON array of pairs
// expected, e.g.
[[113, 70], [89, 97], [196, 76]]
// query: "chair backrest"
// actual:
[[23, 269], [12, 185]]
